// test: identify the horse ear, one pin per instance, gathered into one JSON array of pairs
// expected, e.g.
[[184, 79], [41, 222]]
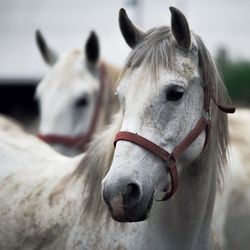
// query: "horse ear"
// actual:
[[49, 56], [180, 28], [92, 49], [131, 33]]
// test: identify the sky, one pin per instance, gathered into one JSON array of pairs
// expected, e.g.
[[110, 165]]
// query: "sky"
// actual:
[[66, 24]]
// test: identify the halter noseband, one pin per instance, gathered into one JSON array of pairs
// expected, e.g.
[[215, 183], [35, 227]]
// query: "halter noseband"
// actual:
[[81, 140], [170, 158]]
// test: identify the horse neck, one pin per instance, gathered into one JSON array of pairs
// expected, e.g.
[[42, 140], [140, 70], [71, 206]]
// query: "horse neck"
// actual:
[[184, 221]]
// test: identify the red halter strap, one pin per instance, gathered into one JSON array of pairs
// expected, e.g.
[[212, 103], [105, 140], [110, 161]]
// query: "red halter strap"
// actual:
[[170, 158], [81, 140]]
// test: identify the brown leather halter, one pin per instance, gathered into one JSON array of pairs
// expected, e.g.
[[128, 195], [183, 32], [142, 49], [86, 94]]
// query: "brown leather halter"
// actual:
[[170, 158], [81, 140]]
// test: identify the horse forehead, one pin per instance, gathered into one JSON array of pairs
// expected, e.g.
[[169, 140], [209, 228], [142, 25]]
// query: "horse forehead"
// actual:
[[141, 80], [68, 74], [70, 68], [186, 64]]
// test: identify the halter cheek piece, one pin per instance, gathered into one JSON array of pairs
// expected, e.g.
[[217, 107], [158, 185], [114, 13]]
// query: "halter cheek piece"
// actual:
[[170, 158], [81, 140]]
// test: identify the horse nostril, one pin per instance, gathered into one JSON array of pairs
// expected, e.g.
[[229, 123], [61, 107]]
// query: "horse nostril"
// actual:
[[132, 195]]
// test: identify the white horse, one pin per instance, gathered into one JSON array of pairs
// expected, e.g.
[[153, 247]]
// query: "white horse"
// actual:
[[9, 124], [76, 97], [49, 201], [231, 216]]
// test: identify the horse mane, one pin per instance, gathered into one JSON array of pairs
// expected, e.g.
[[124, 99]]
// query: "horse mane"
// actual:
[[216, 152], [93, 166], [113, 73], [111, 101], [157, 49]]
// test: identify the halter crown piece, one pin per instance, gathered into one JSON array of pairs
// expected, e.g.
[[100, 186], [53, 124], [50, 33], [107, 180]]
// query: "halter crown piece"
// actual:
[[81, 140], [170, 158]]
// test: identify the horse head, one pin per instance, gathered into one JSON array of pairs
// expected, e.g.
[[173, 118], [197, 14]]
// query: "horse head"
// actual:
[[70, 93], [165, 94]]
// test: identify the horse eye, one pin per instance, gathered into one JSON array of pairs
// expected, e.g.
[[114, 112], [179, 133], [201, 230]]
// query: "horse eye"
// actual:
[[174, 93], [82, 102]]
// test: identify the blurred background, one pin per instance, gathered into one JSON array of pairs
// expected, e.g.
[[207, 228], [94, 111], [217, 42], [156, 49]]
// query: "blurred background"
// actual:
[[223, 25]]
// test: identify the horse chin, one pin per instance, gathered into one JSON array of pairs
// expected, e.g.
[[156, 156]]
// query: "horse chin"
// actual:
[[133, 214], [148, 209]]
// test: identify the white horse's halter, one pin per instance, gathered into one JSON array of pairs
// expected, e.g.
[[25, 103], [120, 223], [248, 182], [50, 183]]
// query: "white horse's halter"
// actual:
[[170, 158]]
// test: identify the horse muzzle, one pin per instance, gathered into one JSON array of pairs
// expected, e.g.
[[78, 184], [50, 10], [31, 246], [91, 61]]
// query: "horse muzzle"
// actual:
[[128, 203]]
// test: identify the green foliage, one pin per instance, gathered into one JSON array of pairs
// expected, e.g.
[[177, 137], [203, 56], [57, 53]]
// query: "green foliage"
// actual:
[[236, 76]]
